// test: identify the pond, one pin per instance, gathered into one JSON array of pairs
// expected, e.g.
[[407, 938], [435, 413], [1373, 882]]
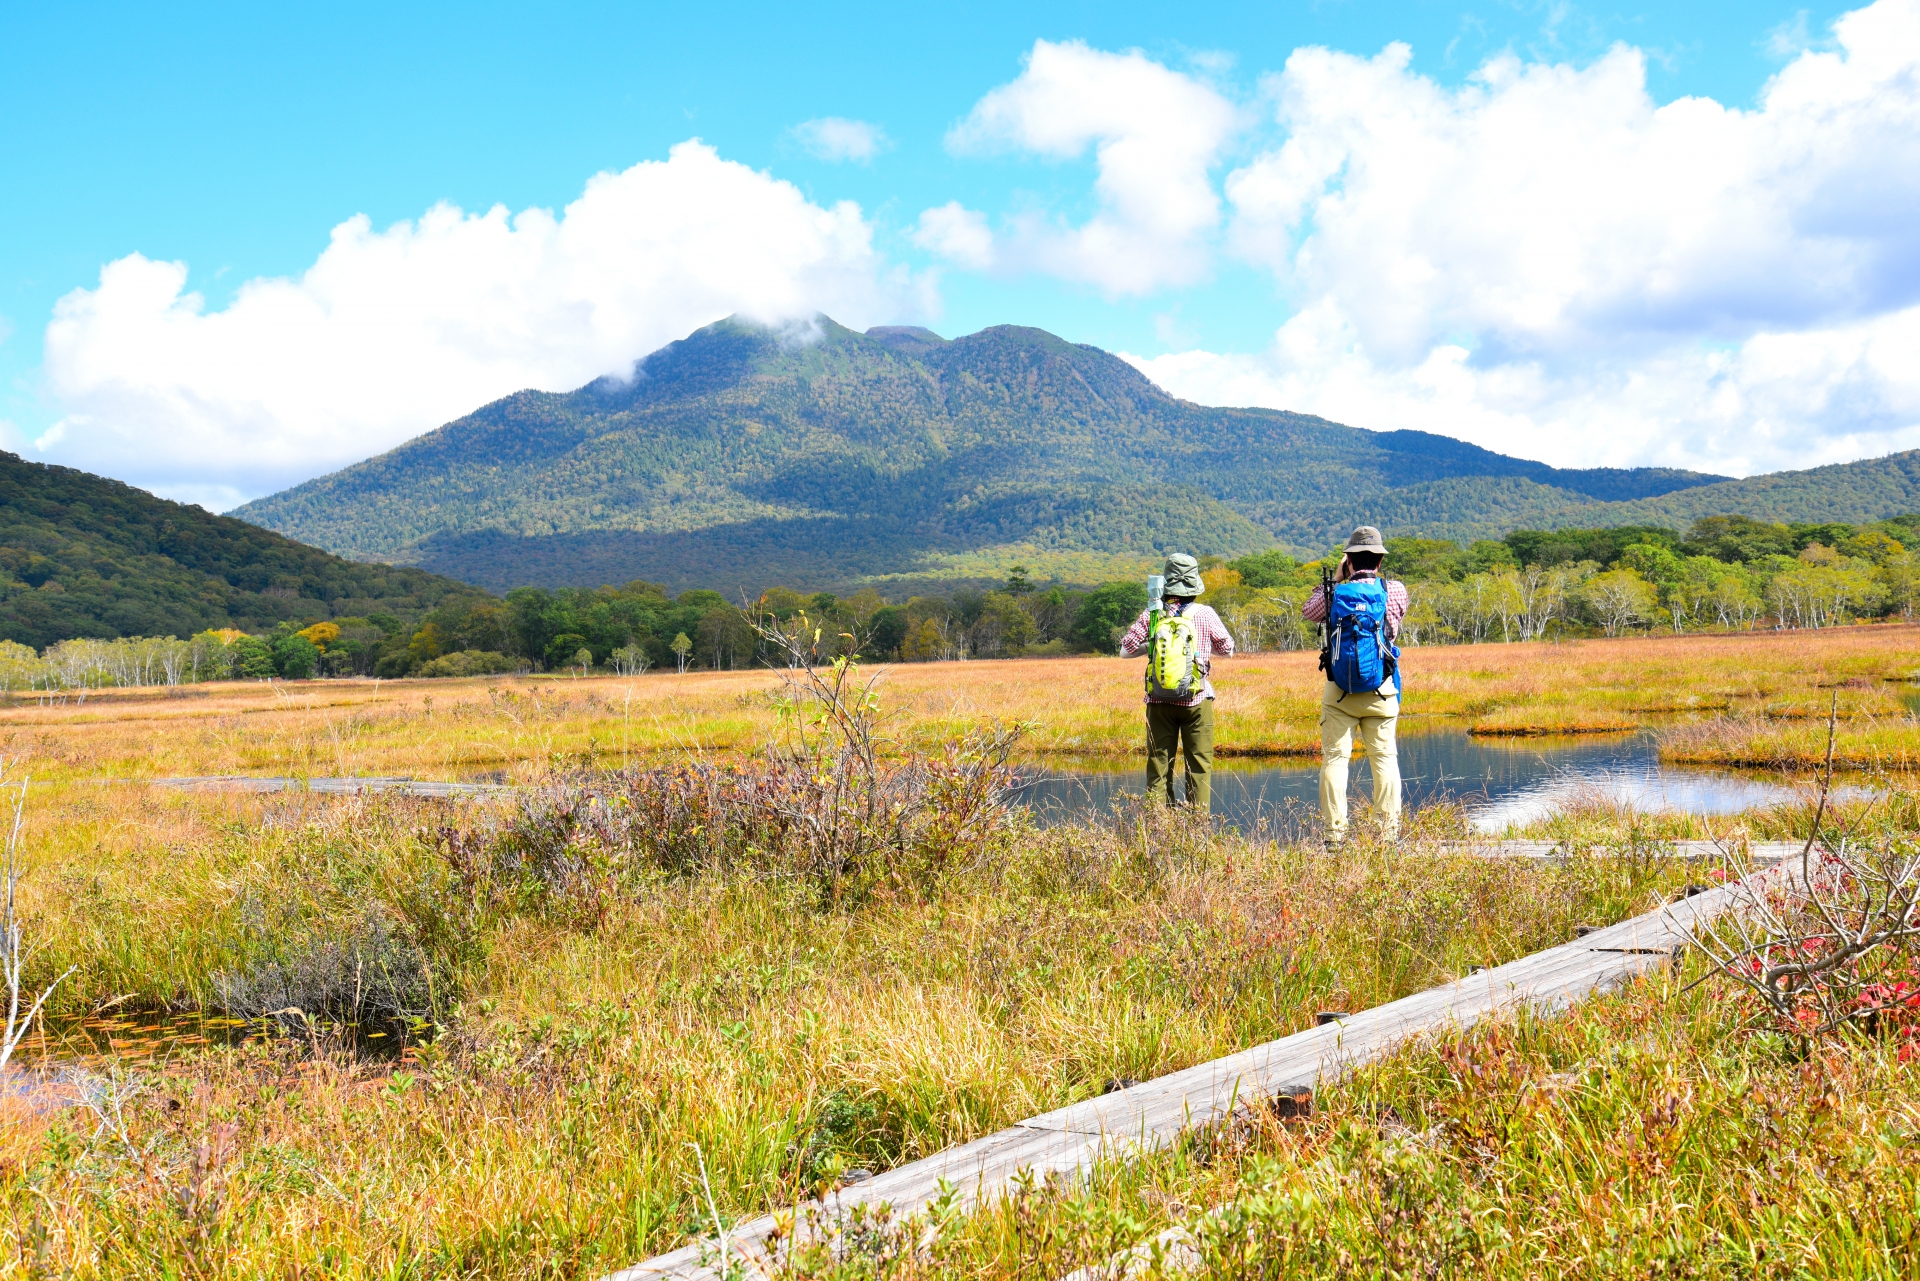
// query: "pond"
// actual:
[[1500, 781]]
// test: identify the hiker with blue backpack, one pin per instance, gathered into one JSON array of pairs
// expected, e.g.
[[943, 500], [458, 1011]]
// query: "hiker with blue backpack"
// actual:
[[1181, 639], [1361, 613]]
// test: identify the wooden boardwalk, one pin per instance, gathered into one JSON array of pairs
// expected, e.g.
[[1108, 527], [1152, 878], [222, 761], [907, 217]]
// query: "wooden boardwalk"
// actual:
[[333, 786], [1753, 854], [1071, 1139]]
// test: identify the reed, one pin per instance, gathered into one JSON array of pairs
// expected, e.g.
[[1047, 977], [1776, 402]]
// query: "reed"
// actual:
[[596, 1042], [1764, 697], [1651, 1132], [551, 1128]]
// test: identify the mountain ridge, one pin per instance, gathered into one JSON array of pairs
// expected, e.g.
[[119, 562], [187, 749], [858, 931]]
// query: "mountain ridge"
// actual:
[[82, 555], [746, 455]]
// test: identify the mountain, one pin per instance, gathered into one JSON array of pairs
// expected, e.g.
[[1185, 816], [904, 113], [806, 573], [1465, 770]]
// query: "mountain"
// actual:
[[743, 456], [1855, 493], [81, 555]]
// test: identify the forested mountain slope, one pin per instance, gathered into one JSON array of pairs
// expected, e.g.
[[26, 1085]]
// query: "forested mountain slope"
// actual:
[[743, 456], [1870, 490], [81, 555]]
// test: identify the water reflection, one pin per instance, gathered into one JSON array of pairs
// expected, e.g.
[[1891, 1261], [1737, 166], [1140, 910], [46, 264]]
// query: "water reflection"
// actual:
[[1501, 782]]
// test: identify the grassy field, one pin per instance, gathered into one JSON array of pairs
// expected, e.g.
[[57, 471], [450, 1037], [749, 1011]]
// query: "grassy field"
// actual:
[[557, 1125], [587, 1022], [1650, 1133], [1756, 699]]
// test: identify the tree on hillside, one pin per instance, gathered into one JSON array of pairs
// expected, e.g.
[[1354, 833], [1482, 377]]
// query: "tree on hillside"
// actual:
[[1053, 613], [887, 629], [253, 659], [1272, 569], [727, 638], [1823, 590], [1541, 593], [1733, 599], [1001, 628], [1106, 614], [925, 641], [561, 649], [295, 657], [1738, 539], [1619, 599], [1900, 574]]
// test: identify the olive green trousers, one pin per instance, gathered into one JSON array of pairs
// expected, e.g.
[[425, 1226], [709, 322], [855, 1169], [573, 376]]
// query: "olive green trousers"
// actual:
[[1191, 730]]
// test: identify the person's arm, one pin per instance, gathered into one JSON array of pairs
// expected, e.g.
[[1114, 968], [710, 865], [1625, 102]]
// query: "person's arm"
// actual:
[[1136, 638], [1219, 639], [1315, 610], [1397, 602]]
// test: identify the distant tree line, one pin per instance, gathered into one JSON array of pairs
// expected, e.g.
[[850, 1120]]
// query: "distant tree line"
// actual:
[[1725, 573]]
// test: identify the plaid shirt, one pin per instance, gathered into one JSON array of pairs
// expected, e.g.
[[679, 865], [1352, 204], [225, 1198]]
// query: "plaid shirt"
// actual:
[[1315, 610], [1208, 630]]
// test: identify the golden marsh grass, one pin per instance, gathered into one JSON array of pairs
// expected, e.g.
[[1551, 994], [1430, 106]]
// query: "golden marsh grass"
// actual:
[[556, 1125], [1769, 691]]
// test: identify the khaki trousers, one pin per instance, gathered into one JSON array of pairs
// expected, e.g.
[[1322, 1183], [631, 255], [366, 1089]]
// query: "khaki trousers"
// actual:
[[1192, 729], [1374, 716]]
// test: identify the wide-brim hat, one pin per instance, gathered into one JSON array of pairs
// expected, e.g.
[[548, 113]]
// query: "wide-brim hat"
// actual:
[[1183, 576], [1366, 539]]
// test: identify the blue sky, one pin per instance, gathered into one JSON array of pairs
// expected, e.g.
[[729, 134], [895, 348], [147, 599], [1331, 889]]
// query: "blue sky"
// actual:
[[235, 140]]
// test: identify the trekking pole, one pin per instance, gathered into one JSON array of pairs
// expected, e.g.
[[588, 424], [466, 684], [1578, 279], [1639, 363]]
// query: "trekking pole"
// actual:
[[1156, 600], [1326, 623]]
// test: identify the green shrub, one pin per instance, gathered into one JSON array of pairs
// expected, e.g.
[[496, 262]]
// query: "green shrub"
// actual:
[[470, 662], [295, 657], [1106, 613], [252, 658], [561, 650]]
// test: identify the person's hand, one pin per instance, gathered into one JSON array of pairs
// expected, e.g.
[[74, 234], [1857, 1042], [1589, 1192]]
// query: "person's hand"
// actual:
[[1346, 570]]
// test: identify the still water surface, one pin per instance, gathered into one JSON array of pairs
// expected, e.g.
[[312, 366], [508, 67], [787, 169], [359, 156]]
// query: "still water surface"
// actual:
[[1501, 781]]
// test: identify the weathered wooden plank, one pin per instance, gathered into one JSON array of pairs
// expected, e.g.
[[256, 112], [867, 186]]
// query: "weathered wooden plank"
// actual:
[[333, 786], [1072, 1138], [1751, 854]]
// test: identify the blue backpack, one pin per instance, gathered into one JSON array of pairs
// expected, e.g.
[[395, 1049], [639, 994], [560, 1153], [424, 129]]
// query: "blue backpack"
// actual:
[[1360, 658]]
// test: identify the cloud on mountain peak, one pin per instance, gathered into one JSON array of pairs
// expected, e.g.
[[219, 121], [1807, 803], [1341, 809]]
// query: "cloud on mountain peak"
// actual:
[[390, 333]]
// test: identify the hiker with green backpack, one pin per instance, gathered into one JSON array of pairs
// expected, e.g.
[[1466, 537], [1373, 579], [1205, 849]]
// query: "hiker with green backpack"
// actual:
[[1181, 639]]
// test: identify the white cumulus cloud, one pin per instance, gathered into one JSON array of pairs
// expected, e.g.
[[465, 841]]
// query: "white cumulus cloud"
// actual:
[[836, 139], [390, 333], [1777, 401], [1154, 134], [956, 233], [1546, 262]]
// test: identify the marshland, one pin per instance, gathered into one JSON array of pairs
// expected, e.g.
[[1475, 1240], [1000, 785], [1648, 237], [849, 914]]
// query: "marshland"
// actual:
[[717, 944]]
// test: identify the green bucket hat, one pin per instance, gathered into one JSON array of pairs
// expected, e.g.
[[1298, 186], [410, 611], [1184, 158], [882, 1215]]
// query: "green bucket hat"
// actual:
[[1366, 539], [1183, 576]]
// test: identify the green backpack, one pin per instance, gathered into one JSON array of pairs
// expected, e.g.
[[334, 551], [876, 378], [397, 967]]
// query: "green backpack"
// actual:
[[1173, 660]]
